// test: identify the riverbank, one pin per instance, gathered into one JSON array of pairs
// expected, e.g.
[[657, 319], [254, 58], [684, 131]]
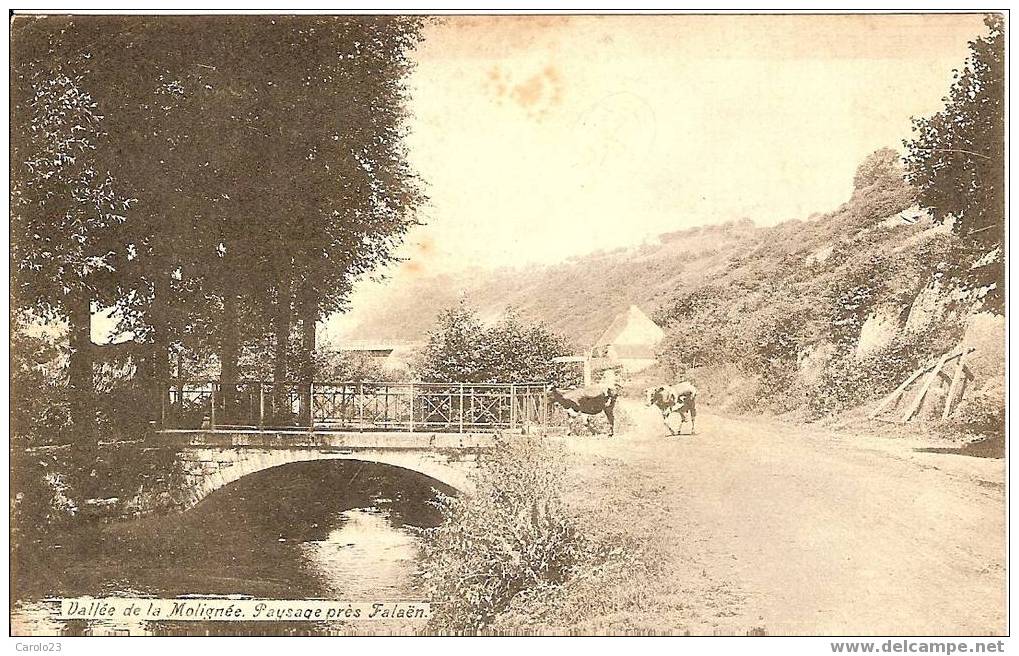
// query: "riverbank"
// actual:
[[754, 526], [325, 529]]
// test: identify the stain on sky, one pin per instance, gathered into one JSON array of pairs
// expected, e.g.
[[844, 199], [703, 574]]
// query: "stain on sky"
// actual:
[[535, 94]]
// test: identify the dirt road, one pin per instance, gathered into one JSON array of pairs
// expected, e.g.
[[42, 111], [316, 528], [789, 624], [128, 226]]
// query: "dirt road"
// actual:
[[797, 531]]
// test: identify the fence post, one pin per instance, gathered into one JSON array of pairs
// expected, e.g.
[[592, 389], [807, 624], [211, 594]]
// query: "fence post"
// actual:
[[311, 407], [359, 396], [513, 406], [461, 407], [212, 412], [261, 405], [544, 412], [412, 407], [163, 388]]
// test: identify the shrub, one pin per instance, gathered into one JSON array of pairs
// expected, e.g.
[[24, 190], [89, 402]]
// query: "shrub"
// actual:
[[983, 411], [39, 409], [38, 499], [54, 489], [783, 389], [512, 536], [123, 401], [850, 381], [462, 349], [727, 386]]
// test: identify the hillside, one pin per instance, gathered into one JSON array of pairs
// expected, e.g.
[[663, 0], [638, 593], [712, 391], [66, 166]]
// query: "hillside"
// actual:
[[577, 298], [580, 296], [819, 315]]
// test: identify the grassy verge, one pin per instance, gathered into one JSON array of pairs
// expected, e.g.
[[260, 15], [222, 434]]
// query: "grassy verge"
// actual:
[[559, 542]]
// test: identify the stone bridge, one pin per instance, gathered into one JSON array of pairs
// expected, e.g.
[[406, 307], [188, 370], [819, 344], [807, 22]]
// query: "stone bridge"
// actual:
[[215, 458]]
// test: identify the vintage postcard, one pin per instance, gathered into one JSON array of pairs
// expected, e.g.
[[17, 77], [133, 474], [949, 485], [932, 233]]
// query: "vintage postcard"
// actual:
[[551, 325]]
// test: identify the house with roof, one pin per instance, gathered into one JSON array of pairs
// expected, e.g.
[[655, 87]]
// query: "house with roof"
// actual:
[[391, 356], [630, 341]]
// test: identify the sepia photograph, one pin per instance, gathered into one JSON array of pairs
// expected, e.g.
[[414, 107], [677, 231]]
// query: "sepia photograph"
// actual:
[[509, 324]]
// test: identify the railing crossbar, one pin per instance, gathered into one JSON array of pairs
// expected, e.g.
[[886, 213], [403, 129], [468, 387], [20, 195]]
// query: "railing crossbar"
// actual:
[[353, 405]]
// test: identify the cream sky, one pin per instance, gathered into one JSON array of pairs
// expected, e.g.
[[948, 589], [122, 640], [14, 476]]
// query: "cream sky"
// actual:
[[543, 138]]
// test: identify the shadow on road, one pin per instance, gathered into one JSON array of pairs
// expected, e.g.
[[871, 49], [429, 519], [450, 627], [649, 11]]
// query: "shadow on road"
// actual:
[[990, 448]]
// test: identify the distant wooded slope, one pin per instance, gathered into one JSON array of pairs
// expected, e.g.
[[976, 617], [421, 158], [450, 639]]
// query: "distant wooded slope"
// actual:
[[579, 297]]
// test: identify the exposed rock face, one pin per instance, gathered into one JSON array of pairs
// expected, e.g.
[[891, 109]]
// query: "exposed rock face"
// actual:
[[928, 307], [985, 332], [813, 360], [879, 330]]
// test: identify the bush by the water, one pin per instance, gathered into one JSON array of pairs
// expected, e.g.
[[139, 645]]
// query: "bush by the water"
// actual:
[[59, 479], [512, 536]]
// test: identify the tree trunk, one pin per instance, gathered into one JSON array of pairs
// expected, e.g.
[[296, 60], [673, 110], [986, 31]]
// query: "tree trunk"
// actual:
[[80, 376], [309, 315], [160, 358], [229, 352], [82, 393], [281, 326]]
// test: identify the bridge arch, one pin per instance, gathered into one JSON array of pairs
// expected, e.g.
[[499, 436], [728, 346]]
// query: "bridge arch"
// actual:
[[211, 468]]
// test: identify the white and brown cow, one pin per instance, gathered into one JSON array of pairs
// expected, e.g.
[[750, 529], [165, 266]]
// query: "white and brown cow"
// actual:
[[681, 398]]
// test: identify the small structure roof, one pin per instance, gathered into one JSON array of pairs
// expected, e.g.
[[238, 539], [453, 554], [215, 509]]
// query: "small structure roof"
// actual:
[[631, 327]]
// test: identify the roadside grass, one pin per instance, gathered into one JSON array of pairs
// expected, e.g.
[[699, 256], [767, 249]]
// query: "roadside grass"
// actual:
[[613, 561], [657, 582], [512, 537]]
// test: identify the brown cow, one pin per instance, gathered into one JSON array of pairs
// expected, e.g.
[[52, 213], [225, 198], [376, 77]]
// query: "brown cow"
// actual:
[[681, 398], [588, 401]]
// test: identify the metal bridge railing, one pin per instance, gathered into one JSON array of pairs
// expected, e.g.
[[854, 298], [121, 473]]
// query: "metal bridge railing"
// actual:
[[360, 406]]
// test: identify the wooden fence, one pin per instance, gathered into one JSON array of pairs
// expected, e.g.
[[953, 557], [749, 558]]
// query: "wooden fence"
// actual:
[[919, 386]]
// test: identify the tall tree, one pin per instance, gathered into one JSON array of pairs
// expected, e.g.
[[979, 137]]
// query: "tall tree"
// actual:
[[157, 145], [461, 349], [331, 156], [65, 209], [956, 162], [268, 162]]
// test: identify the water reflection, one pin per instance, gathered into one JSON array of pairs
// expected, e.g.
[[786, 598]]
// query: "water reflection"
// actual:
[[365, 558], [329, 529]]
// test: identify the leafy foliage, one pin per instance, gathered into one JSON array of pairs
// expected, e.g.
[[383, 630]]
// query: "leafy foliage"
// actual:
[[352, 366], [956, 161], [210, 193], [513, 536], [983, 412], [204, 192], [882, 169], [761, 324], [39, 411], [462, 349], [849, 381], [64, 206]]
